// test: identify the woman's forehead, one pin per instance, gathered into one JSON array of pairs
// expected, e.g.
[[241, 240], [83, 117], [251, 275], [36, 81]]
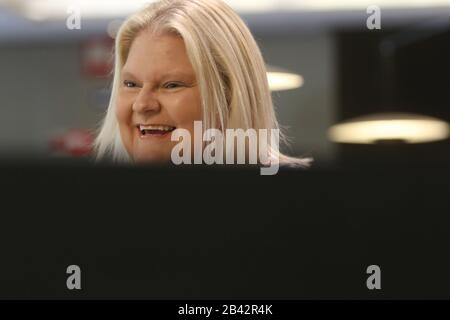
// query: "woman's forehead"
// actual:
[[158, 55], [148, 44]]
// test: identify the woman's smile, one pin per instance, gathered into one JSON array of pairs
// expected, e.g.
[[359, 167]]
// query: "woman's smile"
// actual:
[[154, 131]]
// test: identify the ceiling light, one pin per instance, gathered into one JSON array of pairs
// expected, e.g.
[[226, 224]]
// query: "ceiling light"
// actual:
[[405, 127], [280, 79]]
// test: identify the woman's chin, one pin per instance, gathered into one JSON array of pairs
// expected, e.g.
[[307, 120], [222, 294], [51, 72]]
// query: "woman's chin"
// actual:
[[151, 159]]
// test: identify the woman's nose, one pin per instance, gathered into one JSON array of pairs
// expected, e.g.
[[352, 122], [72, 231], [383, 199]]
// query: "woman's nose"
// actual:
[[146, 101]]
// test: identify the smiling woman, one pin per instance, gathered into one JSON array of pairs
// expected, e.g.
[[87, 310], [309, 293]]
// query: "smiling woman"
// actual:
[[178, 62], [154, 99]]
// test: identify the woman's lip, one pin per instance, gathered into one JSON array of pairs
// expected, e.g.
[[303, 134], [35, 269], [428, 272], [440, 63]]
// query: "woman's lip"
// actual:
[[161, 134], [153, 125]]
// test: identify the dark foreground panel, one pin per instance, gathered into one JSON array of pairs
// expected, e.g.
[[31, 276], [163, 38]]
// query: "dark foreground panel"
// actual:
[[206, 233]]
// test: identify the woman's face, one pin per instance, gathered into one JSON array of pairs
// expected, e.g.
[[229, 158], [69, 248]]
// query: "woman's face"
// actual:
[[158, 94]]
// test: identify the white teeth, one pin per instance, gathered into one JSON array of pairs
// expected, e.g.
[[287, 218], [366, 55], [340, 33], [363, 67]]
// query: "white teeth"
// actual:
[[151, 127]]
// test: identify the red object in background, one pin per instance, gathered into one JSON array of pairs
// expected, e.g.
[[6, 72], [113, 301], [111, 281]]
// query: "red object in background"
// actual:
[[75, 142], [97, 57]]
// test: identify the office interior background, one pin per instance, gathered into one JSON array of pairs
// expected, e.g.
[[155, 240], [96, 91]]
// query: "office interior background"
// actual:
[[354, 94], [356, 84]]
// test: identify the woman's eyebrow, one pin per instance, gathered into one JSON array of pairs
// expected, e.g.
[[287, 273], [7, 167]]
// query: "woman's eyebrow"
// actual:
[[173, 73], [176, 74], [127, 74], [164, 76]]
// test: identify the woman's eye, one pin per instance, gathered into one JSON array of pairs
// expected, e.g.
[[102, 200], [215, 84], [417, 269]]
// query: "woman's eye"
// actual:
[[129, 84], [172, 85]]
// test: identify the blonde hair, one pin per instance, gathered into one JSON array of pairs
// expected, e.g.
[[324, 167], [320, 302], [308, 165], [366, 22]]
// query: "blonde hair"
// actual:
[[227, 61]]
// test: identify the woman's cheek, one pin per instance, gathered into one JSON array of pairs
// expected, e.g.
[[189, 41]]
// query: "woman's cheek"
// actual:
[[123, 110], [189, 108], [123, 115]]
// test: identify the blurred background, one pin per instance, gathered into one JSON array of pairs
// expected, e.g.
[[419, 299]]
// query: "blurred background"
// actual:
[[354, 82]]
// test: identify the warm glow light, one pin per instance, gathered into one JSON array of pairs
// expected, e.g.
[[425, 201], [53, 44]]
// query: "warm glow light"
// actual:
[[279, 81], [57, 9], [408, 128]]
